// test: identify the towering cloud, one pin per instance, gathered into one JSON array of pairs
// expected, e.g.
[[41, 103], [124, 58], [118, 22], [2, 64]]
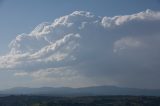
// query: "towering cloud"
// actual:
[[121, 50]]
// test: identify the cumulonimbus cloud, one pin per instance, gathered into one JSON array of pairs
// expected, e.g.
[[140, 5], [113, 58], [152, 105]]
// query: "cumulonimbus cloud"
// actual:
[[104, 49]]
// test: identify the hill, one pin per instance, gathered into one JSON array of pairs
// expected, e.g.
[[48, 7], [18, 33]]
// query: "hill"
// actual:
[[86, 91]]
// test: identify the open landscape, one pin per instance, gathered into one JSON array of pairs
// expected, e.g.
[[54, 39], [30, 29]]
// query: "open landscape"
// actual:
[[23, 100], [88, 96], [79, 52]]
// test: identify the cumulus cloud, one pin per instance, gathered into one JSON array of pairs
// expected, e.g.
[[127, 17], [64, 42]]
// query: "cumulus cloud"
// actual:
[[91, 50], [148, 15]]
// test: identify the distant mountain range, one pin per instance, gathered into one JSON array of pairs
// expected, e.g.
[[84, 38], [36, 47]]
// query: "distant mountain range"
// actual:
[[86, 91]]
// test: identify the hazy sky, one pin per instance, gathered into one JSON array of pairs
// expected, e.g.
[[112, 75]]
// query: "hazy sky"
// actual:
[[78, 43]]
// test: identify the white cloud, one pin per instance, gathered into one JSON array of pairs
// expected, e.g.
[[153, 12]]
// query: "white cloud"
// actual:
[[88, 47], [21, 74], [148, 15], [127, 43]]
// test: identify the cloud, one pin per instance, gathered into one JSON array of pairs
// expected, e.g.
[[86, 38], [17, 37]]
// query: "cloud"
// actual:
[[127, 43], [91, 50], [21, 74], [148, 15]]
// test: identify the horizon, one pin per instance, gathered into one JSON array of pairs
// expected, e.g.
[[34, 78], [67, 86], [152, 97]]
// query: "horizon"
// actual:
[[80, 43], [78, 87]]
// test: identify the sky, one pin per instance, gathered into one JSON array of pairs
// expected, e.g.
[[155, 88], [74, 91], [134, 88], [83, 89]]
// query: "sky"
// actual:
[[79, 43]]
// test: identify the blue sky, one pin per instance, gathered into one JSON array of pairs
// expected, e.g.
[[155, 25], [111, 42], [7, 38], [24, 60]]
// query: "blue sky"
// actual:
[[110, 54]]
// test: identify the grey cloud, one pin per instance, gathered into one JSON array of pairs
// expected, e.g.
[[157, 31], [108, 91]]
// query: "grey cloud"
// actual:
[[107, 50]]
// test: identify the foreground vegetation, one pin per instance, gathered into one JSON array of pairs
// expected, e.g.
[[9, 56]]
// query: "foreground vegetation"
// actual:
[[79, 101]]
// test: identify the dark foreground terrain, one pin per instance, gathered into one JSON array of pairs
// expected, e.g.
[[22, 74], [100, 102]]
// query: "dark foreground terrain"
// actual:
[[79, 101]]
